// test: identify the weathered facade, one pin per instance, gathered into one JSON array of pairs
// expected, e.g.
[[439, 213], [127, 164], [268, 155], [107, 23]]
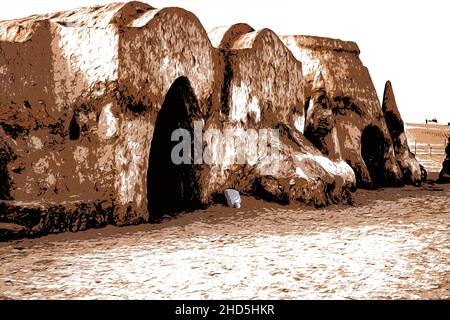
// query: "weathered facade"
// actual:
[[342, 108], [80, 94], [264, 88], [90, 99]]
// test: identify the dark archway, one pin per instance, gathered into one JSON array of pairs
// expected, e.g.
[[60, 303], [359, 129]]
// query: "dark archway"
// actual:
[[373, 146], [74, 129], [6, 156], [172, 188], [4, 179]]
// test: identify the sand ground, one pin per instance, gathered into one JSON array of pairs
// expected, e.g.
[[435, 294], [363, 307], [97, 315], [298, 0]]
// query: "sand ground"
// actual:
[[391, 244]]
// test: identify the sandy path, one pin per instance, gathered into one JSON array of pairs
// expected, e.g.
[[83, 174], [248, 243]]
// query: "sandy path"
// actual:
[[393, 243]]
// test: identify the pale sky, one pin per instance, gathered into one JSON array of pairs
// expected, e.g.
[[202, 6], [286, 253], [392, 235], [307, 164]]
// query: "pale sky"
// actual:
[[406, 42]]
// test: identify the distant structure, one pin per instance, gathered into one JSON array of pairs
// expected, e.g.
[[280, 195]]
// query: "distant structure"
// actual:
[[89, 99], [434, 120]]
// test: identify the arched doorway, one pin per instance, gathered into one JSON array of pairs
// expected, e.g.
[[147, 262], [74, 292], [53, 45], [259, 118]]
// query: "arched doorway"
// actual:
[[171, 187], [373, 146], [6, 155], [4, 179], [74, 129]]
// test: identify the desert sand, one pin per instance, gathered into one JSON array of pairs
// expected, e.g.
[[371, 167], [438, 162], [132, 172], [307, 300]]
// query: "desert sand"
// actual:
[[390, 244]]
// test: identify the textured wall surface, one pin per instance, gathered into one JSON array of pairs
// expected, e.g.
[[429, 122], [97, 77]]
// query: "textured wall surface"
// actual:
[[341, 94], [265, 89], [81, 91], [156, 49], [87, 98]]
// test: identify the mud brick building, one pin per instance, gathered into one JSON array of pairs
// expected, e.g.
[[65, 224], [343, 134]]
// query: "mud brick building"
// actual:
[[89, 99]]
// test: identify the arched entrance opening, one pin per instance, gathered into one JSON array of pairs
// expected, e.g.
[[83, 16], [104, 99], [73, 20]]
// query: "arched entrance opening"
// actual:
[[74, 129], [373, 146], [6, 156], [172, 188], [4, 180]]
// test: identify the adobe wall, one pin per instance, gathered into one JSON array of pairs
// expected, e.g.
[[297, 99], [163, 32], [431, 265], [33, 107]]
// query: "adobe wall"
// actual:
[[81, 92], [104, 70], [353, 102], [265, 89]]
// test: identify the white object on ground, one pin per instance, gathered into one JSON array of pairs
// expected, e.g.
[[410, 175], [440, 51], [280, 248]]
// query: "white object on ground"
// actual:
[[233, 198]]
